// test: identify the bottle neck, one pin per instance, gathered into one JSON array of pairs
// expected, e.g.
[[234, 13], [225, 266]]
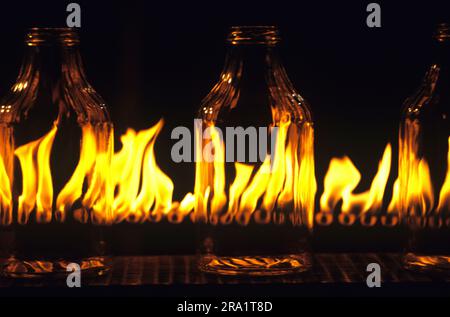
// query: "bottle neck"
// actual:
[[248, 74], [441, 50], [52, 75], [251, 62], [252, 80], [52, 55], [52, 64], [252, 49], [441, 54]]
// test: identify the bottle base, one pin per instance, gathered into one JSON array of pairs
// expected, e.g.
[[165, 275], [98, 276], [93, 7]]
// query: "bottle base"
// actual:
[[427, 263], [52, 269], [255, 265]]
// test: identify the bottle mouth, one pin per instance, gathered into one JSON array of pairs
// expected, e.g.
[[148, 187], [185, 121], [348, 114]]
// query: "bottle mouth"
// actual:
[[265, 35], [442, 33], [52, 36]]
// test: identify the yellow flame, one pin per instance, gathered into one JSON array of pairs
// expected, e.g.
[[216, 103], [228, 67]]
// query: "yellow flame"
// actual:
[[98, 198], [219, 197], [275, 183], [243, 174], [253, 193], [143, 190], [92, 169], [129, 161], [284, 181], [444, 195], [74, 187], [37, 187], [343, 177], [340, 180], [159, 183], [394, 204], [5, 196], [413, 192], [305, 185], [416, 189], [139, 190]]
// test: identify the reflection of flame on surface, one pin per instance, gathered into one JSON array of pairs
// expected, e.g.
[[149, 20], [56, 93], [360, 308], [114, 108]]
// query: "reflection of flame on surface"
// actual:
[[284, 181], [223, 264], [14, 266], [423, 261]]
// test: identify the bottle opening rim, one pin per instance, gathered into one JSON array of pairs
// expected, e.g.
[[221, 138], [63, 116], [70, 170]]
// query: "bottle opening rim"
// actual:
[[41, 36], [442, 33], [259, 34]]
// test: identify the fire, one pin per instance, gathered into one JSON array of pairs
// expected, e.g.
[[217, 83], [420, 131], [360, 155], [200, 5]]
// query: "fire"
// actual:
[[343, 177], [37, 184], [138, 190], [5, 196], [444, 195], [418, 198], [340, 182], [143, 190], [93, 167], [284, 181], [416, 191], [34, 158]]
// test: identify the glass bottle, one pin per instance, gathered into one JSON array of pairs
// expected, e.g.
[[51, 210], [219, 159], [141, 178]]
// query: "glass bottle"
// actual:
[[255, 182], [424, 159], [55, 156]]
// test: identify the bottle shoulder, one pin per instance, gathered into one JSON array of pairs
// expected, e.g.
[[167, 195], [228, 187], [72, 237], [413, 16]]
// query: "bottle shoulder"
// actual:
[[432, 96], [63, 99], [277, 96]]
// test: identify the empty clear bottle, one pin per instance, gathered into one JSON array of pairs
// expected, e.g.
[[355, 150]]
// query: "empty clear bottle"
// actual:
[[255, 182], [55, 156], [424, 159]]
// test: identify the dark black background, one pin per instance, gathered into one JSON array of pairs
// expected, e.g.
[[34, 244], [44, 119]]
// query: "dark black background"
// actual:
[[159, 59]]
